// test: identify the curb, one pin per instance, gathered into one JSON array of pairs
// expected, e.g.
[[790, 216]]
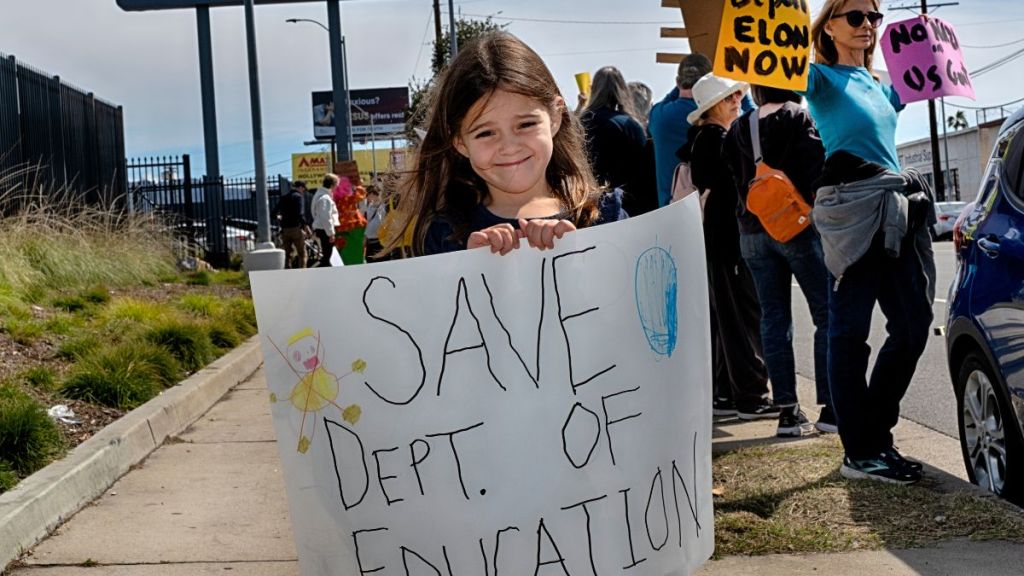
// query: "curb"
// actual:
[[47, 498]]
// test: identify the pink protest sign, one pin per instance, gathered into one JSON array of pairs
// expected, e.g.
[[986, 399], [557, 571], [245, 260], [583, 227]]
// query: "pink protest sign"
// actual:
[[924, 60]]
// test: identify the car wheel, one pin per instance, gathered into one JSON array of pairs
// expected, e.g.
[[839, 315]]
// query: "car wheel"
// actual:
[[989, 434]]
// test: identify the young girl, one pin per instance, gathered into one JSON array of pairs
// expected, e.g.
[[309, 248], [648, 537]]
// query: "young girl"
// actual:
[[502, 159]]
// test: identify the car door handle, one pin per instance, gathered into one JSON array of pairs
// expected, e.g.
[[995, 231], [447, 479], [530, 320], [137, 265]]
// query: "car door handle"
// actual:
[[989, 246]]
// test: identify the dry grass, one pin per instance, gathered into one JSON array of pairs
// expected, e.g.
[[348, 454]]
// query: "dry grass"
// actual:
[[792, 499], [75, 246]]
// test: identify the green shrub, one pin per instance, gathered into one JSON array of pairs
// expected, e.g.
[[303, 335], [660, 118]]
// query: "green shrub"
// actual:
[[42, 377], [62, 324], [242, 315], [70, 303], [28, 438], [232, 278], [223, 334], [137, 311], [8, 477], [79, 347], [187, 341], [96, 295], [122, 377], [201, 278], [201, 304], [24, 332], [169, 278], [12, 306], [163, 361]]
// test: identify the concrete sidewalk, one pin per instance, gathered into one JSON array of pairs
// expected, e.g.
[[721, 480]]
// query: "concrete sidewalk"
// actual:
[[212, 500]]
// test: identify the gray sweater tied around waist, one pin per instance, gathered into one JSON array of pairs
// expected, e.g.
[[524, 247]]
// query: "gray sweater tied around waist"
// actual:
[[848, 216]]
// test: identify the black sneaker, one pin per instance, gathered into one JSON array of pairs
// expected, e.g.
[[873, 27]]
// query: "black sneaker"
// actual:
[[879, 469], [894, 457], [723, 406], [827, 421], [758, 411], [793, 423]]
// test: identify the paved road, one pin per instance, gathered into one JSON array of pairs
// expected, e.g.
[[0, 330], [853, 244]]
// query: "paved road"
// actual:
[[929, 401]]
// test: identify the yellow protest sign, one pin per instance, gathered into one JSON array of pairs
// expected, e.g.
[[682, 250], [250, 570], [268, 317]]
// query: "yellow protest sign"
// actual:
[[310, 167], [766, 42]]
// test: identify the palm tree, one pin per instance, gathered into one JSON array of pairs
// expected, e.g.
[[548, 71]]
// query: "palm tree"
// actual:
[[957, 121]]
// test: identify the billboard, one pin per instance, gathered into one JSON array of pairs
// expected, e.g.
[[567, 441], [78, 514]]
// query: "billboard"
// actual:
[[387, 107]]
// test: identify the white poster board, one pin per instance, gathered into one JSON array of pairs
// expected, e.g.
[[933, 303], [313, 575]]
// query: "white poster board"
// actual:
[[544, 412]]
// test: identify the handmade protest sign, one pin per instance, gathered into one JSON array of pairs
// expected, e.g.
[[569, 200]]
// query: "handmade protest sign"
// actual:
[[765, 42], [544, 412], [925, 60]]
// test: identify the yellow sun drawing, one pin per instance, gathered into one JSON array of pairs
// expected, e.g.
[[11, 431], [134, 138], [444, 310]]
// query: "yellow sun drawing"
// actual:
[[317, 387]]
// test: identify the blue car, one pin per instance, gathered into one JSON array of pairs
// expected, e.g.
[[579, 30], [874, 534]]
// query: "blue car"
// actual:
[[985, 327]]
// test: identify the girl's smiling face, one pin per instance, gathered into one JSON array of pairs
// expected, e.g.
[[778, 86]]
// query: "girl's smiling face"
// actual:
[[508, 139]]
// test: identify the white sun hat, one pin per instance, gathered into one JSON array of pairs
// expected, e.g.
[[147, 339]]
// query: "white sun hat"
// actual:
[[711, 90]]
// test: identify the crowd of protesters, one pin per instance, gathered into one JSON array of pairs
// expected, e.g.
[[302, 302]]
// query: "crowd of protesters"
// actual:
[[503, 158]]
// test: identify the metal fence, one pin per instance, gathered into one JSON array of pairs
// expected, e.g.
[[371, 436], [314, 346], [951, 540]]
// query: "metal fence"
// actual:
[[71, 142], [214, 217]]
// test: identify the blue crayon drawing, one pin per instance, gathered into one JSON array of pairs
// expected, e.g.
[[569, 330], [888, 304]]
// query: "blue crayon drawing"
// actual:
[[657, 285]]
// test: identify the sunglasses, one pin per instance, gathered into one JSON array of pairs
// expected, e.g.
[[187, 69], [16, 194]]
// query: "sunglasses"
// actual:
[[855, 18]]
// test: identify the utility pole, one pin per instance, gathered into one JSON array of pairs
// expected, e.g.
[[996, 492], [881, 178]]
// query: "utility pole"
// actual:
[[940, 184], [453, 43], [437, 22]]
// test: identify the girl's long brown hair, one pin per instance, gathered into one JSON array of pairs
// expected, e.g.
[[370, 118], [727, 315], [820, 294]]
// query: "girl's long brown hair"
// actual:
[[825, 51], [443, 184]]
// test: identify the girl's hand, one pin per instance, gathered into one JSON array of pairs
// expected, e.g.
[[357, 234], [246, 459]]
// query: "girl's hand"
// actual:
[[502, 238], [542, 233]]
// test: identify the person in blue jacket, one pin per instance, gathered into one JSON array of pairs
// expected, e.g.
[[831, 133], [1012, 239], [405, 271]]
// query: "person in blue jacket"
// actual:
[[668, 125]]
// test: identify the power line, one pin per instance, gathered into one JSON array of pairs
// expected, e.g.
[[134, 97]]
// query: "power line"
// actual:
[[997, 63], [1003, 105], [556, 21], [253, 170], [989, 22], [1004, 45], [423, 43], [546, 55]]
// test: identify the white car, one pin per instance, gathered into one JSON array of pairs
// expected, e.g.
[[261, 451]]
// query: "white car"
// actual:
[[239, 240], [946, 214]]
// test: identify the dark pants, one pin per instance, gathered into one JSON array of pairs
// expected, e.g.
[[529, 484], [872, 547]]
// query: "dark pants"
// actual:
[[773, 266], [867, 410], [326, 248], [293, 242], [737, 316], [373, 248]]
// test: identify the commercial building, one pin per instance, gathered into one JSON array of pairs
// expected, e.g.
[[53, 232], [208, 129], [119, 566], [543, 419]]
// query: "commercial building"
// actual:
[[968, 153]]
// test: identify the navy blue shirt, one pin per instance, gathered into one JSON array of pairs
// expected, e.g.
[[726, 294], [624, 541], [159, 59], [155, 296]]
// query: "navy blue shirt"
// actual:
[[439, 235]]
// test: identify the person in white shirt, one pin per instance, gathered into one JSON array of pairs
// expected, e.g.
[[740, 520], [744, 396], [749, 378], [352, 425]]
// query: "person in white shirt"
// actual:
[[325, 218]]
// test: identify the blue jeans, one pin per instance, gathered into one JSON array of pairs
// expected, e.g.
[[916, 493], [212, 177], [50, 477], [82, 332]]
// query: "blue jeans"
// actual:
[[773, 265], [867, 410]]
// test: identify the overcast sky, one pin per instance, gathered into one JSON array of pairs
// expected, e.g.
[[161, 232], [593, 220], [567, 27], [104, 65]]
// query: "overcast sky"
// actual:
[[148, 62]]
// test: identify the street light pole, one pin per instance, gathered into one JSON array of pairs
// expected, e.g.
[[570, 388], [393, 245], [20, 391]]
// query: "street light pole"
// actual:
[[342, 123], [339, 58], [373, 138], [262, 207]]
